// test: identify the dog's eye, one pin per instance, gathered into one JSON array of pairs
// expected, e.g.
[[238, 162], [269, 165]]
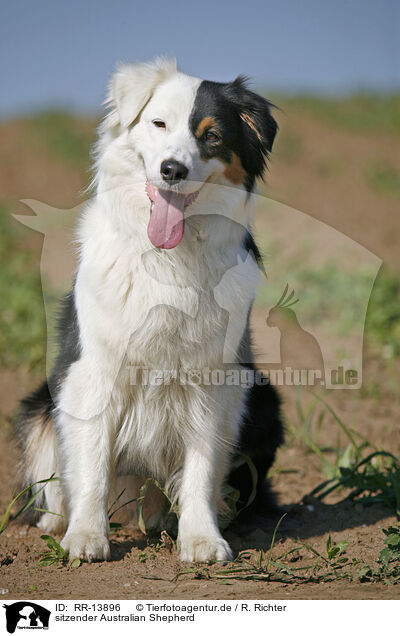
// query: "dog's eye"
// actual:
[[159, 123], [212, 136]]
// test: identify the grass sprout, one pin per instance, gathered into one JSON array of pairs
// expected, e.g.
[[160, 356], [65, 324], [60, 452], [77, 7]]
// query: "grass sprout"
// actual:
[[28, 503]]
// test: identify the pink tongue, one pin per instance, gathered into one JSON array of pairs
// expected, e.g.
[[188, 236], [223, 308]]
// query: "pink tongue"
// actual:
[[165, 228]]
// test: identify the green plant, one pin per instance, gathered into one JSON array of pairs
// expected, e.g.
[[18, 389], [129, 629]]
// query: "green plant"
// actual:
[[231, 495], [368, 478], [372, 484], [112, 510], [143, 556], [387, 568], [334, 558], [55, 555], [309, 428], [383, 315], [29, 502], [141, 498], [391, 554]]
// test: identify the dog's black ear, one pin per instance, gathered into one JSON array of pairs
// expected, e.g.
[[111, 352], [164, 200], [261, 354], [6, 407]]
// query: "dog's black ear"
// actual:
[[256, 113], [131, 87], [260, 126]]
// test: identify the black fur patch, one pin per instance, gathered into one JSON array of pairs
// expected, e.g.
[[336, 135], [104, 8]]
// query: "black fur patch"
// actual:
[[69, 339], [251, 247], [41, 401], [261, 429], [243, 124], [261, 434]]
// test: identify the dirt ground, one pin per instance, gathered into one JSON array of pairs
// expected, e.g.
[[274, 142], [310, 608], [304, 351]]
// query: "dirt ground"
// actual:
[[140, 571]]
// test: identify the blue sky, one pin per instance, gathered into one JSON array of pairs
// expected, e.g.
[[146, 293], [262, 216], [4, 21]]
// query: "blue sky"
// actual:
[[62, 53]]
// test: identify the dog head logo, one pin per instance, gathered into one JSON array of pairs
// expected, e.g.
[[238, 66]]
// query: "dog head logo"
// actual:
[[26, 615]]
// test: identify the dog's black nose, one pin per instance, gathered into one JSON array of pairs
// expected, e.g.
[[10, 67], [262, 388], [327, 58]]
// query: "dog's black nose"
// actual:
[[173, 171]]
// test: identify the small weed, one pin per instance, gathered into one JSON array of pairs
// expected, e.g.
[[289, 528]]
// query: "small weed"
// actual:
[[141, 498], [231, 495], [387, 569], [391, 554], [28, 503], [368, 483], [143, 556], [112, 510], [55, 555], [334, 558]]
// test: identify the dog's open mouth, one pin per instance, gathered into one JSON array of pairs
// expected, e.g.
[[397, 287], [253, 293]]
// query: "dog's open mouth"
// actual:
[[166, 224]]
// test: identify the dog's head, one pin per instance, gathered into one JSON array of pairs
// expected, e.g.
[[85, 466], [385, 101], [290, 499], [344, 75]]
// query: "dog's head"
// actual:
[[188, 132]]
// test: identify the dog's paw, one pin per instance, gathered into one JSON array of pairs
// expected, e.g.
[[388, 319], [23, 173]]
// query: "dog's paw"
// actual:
[[88, 546], [202, 549], [51, 524]]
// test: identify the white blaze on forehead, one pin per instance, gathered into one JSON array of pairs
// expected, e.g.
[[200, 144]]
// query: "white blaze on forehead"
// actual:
[[173, 100]]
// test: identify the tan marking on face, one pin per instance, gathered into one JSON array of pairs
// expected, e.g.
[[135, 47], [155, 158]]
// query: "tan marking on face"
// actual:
[[250, 122], [234, 171], [207, 122]]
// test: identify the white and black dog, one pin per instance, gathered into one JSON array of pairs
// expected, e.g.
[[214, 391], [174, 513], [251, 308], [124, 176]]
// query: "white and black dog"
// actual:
[[176, 161]]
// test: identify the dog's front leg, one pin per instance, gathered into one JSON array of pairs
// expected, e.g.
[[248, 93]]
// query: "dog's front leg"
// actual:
[[199, 537], [86, 478], [85, 422]]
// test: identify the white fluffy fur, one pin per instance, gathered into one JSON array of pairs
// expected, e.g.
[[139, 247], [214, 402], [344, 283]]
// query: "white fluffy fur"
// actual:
[[159, 313]]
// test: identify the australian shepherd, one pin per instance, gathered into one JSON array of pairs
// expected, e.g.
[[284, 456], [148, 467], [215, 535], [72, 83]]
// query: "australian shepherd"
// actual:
[[168, 271]]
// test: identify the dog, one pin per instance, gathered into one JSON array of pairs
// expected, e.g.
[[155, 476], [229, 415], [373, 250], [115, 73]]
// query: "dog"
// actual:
[[176, 161]]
